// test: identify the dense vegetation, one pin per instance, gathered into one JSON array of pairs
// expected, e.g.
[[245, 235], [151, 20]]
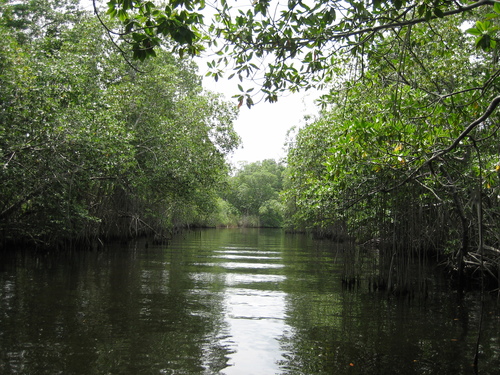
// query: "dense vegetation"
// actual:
[[253, 193], [404, 154], [91, 148]]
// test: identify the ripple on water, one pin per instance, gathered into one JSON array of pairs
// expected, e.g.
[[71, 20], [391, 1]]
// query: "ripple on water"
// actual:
[[236, 250], [256, 320], [255, 257], [236, 265]]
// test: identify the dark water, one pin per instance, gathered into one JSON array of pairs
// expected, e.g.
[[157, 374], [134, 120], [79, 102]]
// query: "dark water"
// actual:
[[228, 302]]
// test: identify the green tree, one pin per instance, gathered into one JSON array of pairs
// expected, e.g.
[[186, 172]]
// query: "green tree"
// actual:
[[92, 148], [254, 192], [400, 154], [51, 140]]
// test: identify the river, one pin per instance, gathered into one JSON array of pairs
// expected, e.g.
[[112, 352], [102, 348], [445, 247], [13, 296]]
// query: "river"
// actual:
[[229, 301]]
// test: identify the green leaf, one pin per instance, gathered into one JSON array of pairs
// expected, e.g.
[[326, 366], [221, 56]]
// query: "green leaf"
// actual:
[[122, 15], [483, 26], [249, 102], [138, 37], [428, 15], [421, 10], [474, 31], [484, 42], [438, 12], [112, 13], [491, 16], [496, 7]]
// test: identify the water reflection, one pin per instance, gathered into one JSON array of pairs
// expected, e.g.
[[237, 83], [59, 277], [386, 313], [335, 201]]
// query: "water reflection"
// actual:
[[258, 258], [227, 302], [254, 308], [249, 266]]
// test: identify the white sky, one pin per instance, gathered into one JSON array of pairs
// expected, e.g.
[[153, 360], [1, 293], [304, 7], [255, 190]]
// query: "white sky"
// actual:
[[263, 128]]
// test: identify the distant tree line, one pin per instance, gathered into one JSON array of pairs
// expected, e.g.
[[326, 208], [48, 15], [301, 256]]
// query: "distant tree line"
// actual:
[[253, 195]]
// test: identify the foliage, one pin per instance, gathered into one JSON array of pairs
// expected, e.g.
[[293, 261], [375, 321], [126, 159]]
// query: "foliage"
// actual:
[[92, 148], [408, 151], [254, 192], [225, 215], [301, 42], [412, 91]]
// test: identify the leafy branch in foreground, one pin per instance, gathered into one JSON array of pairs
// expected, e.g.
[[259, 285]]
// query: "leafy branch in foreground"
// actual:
[[144, 24], [283, 45]]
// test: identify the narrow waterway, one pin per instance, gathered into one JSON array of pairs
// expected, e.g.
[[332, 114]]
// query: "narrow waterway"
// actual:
[[229, 301]]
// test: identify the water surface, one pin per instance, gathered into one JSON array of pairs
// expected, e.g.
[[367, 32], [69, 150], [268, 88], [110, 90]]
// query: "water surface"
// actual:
[[228, 302]]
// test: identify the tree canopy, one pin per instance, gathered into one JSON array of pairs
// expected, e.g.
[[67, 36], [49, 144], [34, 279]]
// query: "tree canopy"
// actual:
[[255, 193], [297, 44], [90, 147], [407, 152]]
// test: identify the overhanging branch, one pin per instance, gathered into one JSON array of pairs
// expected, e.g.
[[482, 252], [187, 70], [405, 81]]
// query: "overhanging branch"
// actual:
[[487, 113]]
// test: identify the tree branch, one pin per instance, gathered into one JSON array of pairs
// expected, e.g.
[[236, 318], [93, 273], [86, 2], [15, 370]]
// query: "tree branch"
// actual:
[[487, 113], [110, 32]]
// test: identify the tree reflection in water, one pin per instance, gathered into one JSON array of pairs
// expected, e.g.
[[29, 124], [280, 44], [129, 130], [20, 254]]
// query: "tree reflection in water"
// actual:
[[228, 302]]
